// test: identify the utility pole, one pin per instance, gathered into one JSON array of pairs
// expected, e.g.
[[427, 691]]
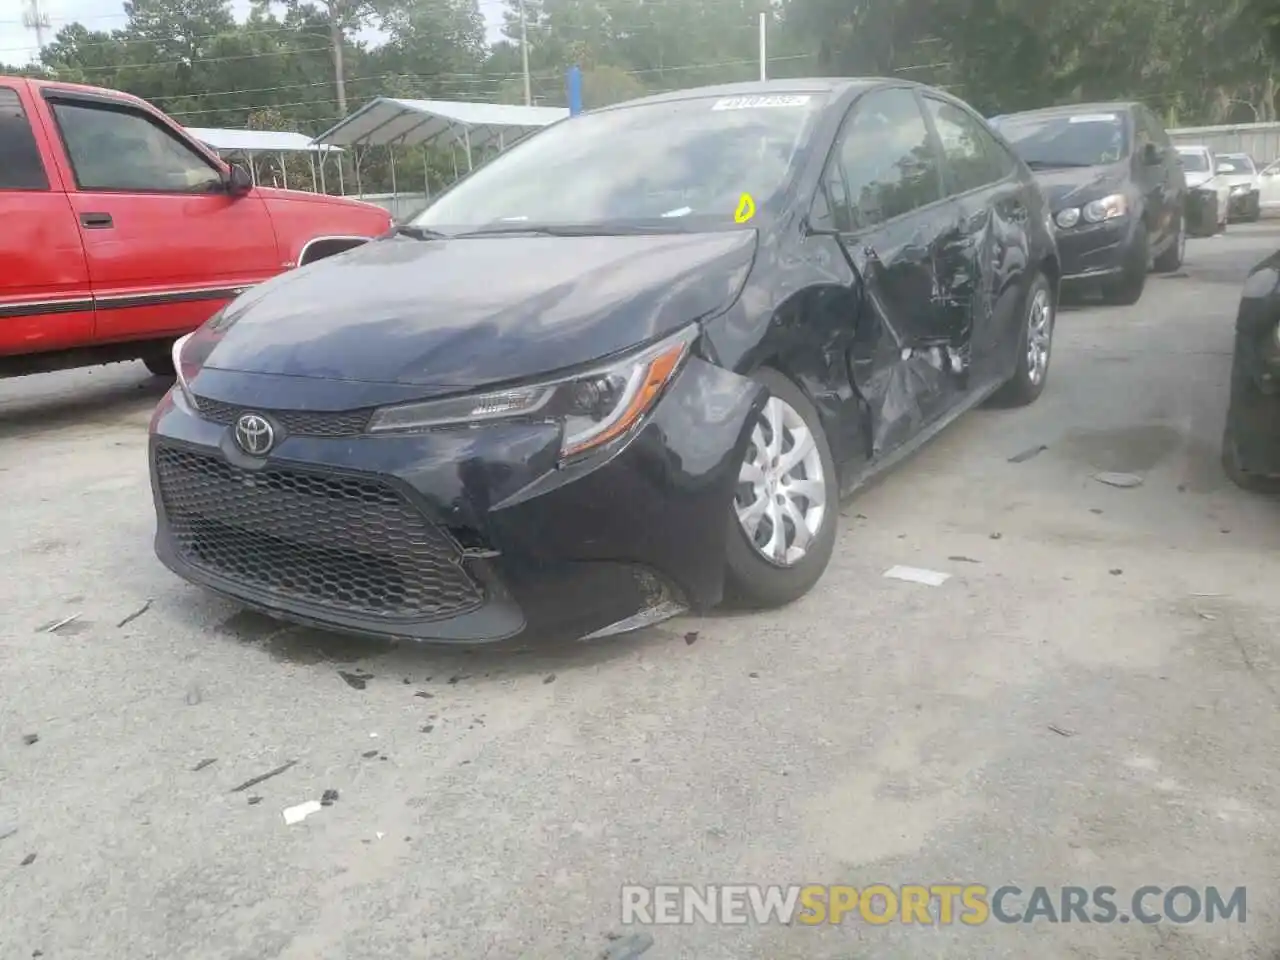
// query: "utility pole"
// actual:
[[33, 19], [524, 56], [764, 60]]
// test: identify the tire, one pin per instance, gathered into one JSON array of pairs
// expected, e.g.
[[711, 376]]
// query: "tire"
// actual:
[[160, 366], [1126, 290], [1171, 259], [1237, 474], [1032, 371], [1254, 212], [751, 580]]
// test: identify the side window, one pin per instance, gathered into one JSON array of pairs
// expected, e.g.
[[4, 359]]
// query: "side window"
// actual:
[[115, 149], [884, 164], [972, 156], [21, 167]]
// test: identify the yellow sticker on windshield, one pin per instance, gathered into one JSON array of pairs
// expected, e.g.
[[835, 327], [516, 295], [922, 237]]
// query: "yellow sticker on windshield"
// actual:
[[746, 209]]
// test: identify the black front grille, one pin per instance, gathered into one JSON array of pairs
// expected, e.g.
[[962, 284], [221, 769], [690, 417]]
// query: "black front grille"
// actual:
[[353, 544], [303, 423]]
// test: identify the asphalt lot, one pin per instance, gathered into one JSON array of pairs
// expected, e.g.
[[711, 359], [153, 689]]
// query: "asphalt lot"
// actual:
[[1090, 699]]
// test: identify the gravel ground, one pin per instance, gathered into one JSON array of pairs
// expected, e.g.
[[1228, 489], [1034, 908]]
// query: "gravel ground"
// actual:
[[1090, 699]]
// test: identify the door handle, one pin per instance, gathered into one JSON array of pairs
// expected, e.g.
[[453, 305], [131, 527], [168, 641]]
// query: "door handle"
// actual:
[[96, 221]]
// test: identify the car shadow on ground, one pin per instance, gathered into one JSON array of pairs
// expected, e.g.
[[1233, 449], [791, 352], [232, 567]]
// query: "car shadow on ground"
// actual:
[[79, 405]]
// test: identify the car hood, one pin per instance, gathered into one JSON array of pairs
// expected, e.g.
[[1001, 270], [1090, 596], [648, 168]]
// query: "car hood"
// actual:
[[1067, 187], [1238, 179], [462, 313], [1199, 178]]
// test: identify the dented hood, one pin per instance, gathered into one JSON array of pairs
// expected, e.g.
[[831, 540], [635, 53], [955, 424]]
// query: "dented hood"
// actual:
[[1066, 187], [465, 312]]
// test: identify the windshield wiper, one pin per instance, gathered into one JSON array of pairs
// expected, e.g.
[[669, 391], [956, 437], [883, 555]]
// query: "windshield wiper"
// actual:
[[1054, 164], [568, 230], [417, 233]]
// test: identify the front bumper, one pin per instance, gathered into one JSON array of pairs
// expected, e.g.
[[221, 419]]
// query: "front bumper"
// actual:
[[468, 535], [1243, 204], [1094, 251]]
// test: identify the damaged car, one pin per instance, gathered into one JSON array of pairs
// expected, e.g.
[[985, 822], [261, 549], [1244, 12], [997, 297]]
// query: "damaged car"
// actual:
[[1240, 175], [1251, 439], [1115, 187], [627, 367]]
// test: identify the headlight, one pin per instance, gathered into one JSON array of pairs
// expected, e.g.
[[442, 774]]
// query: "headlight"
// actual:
[[594, 407], [1108, 208], [1240, 188], [1068, 218], [180, 373]]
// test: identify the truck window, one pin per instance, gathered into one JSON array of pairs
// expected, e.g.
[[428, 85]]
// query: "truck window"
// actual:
[[21, 167], [119, 149]]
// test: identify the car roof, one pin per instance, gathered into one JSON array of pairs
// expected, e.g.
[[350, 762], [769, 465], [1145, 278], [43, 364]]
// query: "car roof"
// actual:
[[758, 88], [1073, 109]]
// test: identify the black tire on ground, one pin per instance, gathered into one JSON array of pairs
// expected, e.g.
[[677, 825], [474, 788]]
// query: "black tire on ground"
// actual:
[[160, 365], [1237, 474], [1171, 259], [1126, 289], [1020, 390], [1253, 213], [751, 580]]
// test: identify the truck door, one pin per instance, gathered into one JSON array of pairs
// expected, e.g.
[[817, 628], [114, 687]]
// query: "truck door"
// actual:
[[45, 299], [166, 244]]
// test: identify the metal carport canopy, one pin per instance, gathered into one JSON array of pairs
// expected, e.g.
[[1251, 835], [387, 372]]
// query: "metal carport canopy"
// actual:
[[389, 121], [257, 141]]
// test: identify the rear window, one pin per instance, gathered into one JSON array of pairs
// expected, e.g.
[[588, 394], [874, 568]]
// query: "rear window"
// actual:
[[20, 165], [1194, 161], [1230, 164]]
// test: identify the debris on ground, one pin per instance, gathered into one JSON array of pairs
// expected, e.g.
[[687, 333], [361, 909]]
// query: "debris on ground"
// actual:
[[358, 680], [194, 696], [427, 727], [753, 675], [1026, 455], [549, 678], [373, 736], [28, 860], [136, 614], [210, 761], [1094, 510], [424, 695], [328, 798], [628, 947], [30, 739], [930, 578], [691, 637], [299, 813], [1060, 731], [458, 678], [59, 624], [369, 754], [379, 834], [1123, 480], [266, 776], [1115, 571], [254, 801], [995, 536], [960, 558]]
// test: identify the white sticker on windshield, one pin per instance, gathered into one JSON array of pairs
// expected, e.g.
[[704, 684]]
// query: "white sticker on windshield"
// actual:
[[679, 212], [752, 103], [1094, 118]]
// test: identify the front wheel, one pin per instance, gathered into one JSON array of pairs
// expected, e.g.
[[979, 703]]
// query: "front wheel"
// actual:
[[1126, 289], [783, 515], [1239, 475], [159, 365], [1172, 258], [1253, 212]]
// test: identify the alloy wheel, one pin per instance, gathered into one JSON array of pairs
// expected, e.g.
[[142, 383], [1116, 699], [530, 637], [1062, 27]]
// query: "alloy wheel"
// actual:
[[782, 492], [1039, 335]]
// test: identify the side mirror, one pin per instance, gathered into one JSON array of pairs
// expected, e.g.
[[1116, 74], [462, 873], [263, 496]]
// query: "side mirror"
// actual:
[[1151, 155], [238, 181]]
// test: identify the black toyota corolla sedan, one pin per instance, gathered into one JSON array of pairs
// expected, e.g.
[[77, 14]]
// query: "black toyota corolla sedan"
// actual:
[[628, 366]]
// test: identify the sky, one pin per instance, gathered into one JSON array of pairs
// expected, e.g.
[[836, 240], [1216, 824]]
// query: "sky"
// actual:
[[18, 45]]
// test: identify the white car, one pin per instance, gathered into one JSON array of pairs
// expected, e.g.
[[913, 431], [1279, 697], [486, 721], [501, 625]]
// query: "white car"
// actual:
[[1201, 169], [1269, 187]]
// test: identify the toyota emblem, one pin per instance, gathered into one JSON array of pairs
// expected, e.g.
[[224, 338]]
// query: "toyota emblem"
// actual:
[[255, 435]]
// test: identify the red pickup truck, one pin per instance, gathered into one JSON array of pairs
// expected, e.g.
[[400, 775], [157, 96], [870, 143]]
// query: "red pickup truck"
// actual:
[[120, 233]]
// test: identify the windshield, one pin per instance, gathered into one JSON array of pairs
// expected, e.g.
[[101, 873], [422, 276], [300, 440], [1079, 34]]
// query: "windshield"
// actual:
[[1085, 140], [1230, 164], [1193, 161], [681, 159]]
